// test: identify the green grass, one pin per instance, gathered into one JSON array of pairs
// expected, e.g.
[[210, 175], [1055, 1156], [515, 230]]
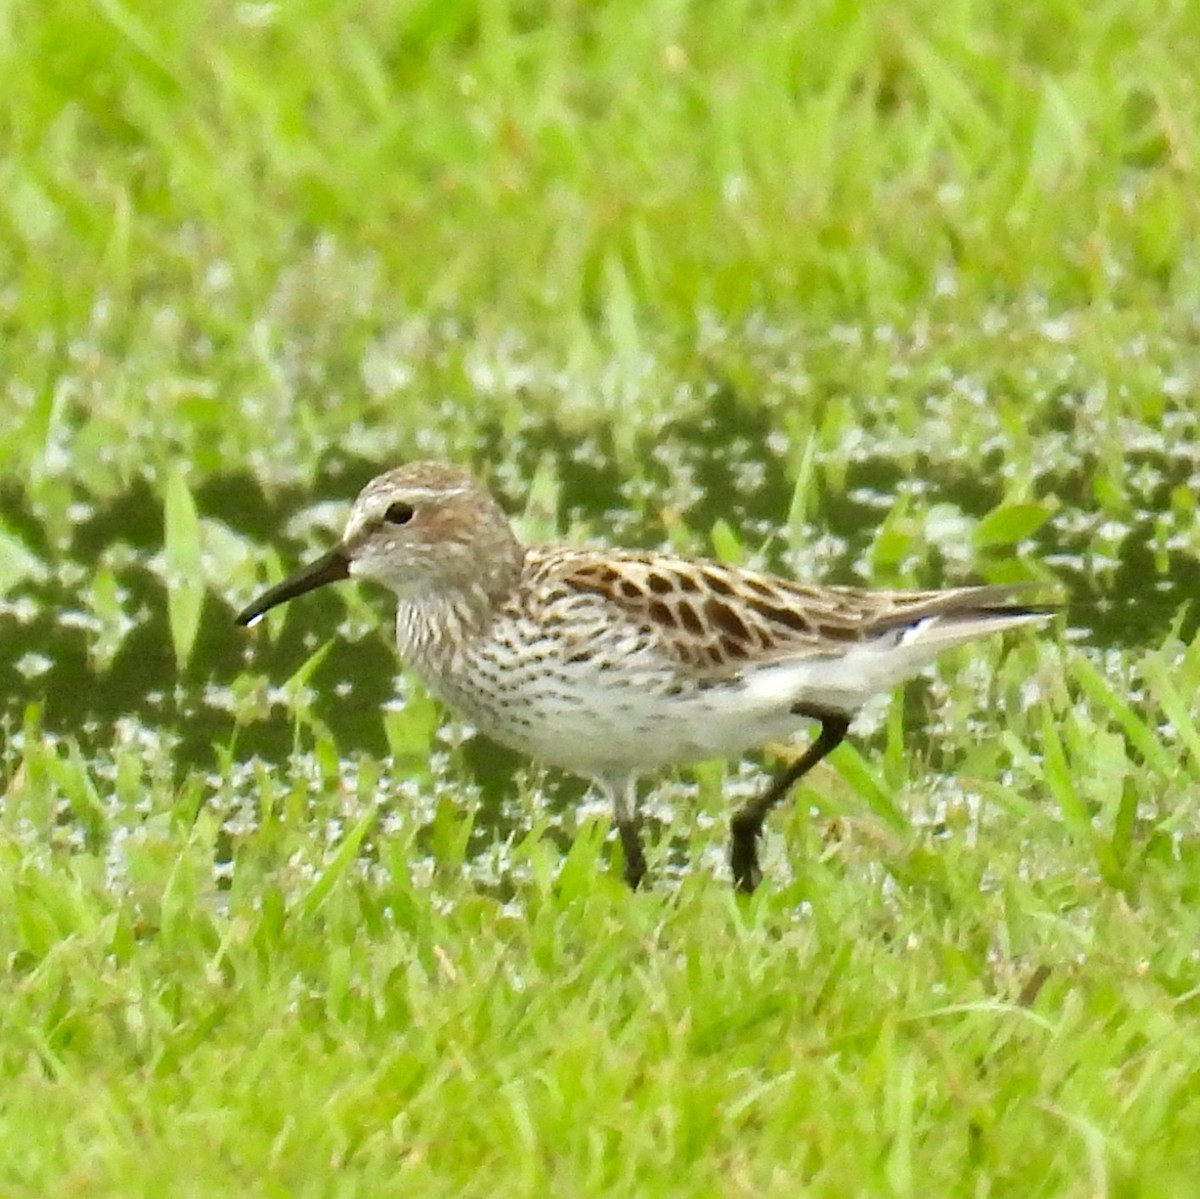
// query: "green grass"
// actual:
[[917, 276], [1005, 1014]]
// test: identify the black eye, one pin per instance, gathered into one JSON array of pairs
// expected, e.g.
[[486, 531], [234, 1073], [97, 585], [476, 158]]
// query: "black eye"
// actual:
[[398, 513]]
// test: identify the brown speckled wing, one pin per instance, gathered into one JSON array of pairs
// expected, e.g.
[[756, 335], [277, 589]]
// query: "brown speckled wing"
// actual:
[[716, 618]]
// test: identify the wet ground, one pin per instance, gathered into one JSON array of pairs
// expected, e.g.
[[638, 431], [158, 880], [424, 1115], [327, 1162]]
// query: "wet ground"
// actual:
[[86, 649]]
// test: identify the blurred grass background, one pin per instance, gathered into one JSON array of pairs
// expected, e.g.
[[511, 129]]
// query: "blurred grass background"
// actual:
[[894, 292], [203, 205]]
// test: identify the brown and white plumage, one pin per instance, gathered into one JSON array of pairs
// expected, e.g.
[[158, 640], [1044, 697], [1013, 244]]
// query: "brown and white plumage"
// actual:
[[609, 663]]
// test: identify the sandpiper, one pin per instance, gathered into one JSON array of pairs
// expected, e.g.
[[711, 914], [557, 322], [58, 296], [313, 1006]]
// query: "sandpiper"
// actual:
[[609, 663]]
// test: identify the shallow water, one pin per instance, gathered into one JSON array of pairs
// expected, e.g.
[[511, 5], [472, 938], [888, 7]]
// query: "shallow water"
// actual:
[[48, 641], [106, 674]]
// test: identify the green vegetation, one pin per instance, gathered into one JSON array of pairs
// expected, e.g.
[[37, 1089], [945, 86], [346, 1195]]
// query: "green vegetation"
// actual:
[[901, 292]]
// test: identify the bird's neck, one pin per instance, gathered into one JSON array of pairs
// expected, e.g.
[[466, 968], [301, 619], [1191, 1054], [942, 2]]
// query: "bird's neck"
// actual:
[[433, 628]]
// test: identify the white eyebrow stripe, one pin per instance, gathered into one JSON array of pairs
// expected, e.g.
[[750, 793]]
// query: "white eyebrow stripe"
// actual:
[[431, 493], [417, 495]]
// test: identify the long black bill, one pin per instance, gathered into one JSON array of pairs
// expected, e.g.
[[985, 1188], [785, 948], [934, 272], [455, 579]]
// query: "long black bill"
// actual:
[[333, 566]]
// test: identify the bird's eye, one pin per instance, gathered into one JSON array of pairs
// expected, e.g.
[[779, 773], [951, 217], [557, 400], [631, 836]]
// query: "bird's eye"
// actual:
[[398, 513]]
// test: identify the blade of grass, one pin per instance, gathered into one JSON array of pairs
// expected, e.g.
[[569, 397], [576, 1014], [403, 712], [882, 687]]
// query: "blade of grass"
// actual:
[[338, 864], [1155, 671], [1140, 735], [1057, 774], [851, 765], [185, 580]]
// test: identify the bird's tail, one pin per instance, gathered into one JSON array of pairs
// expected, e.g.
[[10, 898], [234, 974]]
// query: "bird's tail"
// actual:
[[963, 614]]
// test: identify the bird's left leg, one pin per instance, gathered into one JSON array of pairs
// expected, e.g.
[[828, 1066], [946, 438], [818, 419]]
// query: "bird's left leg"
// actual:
[[747, 821], [623, 793]]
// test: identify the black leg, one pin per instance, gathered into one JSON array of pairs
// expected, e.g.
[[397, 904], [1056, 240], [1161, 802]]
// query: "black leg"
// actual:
[[747, 821], [622, 792], [635, 859]]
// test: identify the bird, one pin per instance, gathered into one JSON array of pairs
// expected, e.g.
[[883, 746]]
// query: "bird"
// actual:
[[609, 663]]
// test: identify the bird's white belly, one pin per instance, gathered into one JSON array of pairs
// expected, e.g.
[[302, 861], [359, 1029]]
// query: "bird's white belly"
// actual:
[[637, 735], [597, 724]]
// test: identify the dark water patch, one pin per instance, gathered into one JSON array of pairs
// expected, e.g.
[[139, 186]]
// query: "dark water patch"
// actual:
[[47, 655], [143, 681]]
